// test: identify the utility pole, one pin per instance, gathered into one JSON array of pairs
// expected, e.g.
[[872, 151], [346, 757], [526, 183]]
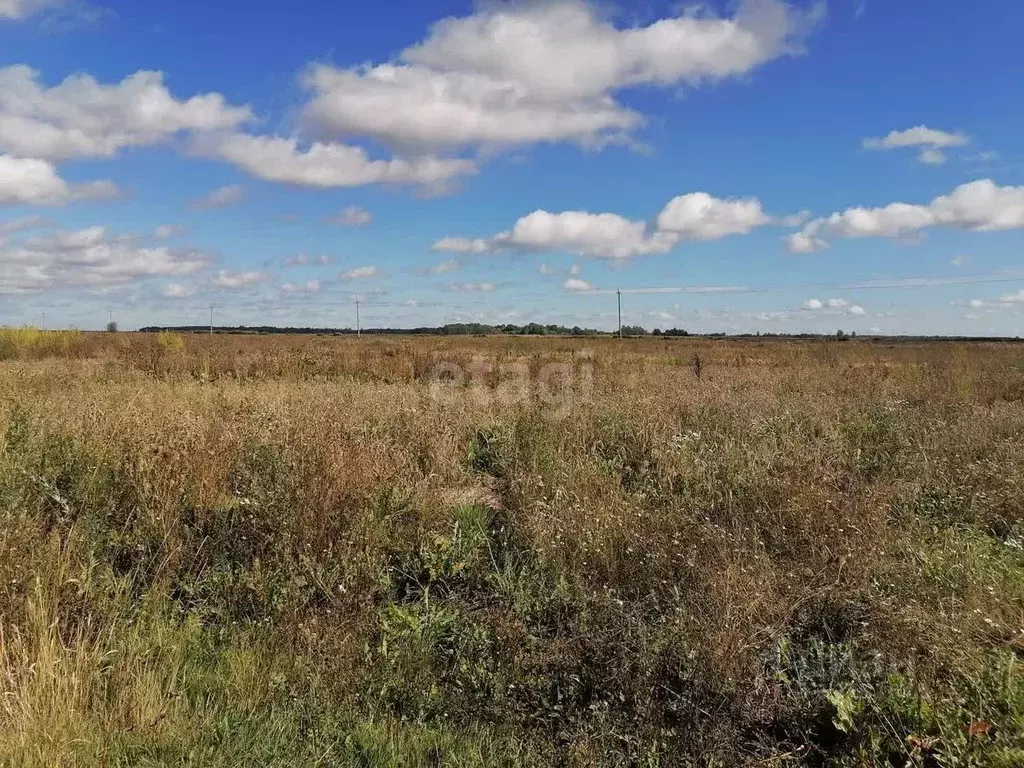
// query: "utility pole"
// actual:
[[110, 316], [44, 321], [211, 318], [358, 330], [618, 295]]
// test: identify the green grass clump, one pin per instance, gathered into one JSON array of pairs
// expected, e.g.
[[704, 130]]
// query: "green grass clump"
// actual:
[[31, 343]]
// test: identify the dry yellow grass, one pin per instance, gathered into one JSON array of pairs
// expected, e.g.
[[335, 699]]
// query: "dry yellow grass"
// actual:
[[314, 542]]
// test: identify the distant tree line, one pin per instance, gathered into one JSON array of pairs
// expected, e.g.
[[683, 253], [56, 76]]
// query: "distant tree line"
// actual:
[[537, 329], [451, 329]]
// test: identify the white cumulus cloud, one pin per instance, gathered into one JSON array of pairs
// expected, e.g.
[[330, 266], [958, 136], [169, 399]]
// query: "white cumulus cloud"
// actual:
[[31, 181], [699, 216], [81, 117], [694, 216], [575, 285], [930, 140], [918, 136], [461, 245], [833, 306], [932, 156], [327, 164], [604, 235], [90, 257], [980, 206], [805, 242], [535, 72]]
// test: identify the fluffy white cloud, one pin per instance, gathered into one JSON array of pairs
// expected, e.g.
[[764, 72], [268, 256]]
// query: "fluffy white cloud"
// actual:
[[218, 198], [88, 257], [699, 216], [565, 49], [419, 108], [360, 273], [237, 280], [461, 245], [575, 284], [83, 118], [471, 287], [833, 306], [694, 216], [932, 156], [352, 216], [16, 10], [544, 269], [29, 181], [605, 235], [1012, 298], [980, 206], [894, 220], [918, 136], [330, 164], [508, 74], [515, 74], [931, 141], [805, 242]]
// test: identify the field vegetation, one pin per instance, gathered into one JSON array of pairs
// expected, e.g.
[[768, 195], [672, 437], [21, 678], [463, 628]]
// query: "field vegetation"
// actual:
[[301, 550]]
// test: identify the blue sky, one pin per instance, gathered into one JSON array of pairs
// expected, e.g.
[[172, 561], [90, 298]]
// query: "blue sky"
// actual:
[[763, 165]]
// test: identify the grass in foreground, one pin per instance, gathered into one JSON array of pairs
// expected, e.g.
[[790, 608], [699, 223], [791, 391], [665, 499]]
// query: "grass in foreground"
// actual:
[[287, 552]]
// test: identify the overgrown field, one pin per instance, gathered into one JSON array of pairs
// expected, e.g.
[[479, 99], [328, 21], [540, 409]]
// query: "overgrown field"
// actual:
[[243, 551]]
